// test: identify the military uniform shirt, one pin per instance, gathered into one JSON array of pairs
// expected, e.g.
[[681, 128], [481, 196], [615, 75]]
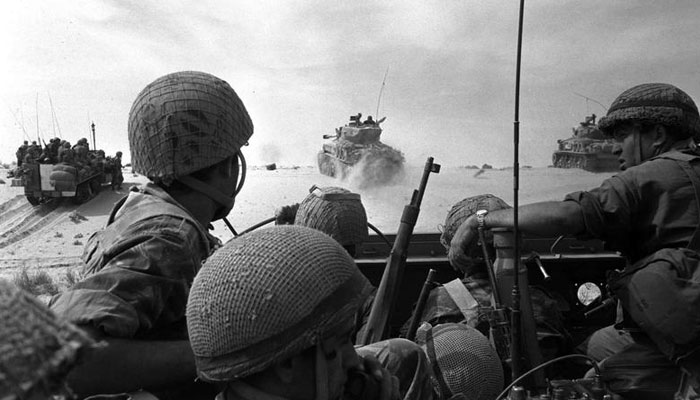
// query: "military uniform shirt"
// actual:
[[139, 269]]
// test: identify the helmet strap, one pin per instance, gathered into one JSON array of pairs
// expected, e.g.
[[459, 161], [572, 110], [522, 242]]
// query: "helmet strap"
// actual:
[[638, 144], [213, 193], [321, 367], [242, 174], [432, 356]]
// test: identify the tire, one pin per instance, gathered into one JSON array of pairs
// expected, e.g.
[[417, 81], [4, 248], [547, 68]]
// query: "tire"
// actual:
[[95, 186], [83, 193], [33, 200]]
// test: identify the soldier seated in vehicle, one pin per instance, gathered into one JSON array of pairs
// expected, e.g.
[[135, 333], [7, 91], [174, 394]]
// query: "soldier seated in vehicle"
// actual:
[[649, 206], [442, 305], [37, 349], [21, 152], [272, 314], [139, 269]]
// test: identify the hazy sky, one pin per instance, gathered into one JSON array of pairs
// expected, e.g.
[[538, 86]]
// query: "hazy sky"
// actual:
[[303, 67]]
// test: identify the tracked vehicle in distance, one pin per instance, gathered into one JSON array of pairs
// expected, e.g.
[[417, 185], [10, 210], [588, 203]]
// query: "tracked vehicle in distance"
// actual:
[[587, 149], [356, 147], [45, 181]]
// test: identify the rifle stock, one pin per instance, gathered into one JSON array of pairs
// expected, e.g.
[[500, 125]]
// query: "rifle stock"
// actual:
[[393, 272]]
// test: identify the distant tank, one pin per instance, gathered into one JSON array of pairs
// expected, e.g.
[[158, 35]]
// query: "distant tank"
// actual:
[[587, 149], [355, 148]]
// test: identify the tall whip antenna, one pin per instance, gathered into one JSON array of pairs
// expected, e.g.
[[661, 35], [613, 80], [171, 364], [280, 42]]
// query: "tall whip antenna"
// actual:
[[20, 123], [515, 312], [381, 90], [54, 120], [38, 139]]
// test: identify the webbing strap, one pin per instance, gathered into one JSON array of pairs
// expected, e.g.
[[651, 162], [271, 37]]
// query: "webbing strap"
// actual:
[[432, 356], [462, 297]]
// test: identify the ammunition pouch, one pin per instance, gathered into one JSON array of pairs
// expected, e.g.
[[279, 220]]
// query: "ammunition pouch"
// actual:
[[661, 293]]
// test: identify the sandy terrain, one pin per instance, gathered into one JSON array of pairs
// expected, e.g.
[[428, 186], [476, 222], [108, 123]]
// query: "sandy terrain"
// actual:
[[51, 236]]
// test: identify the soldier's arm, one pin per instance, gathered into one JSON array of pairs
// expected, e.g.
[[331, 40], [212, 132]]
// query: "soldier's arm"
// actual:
[[551, 218], [125, 365]]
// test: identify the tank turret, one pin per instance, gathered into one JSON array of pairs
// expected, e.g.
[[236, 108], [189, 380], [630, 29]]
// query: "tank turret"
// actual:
[[356, 149], [587, 148]]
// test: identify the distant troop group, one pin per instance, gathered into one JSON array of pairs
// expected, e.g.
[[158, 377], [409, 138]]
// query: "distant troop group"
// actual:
[[79, 155]]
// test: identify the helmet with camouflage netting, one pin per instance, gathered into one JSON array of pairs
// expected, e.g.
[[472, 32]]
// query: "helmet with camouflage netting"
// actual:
[[464, 363], [654, 103], [334, 211], [463, 210], [269, 295], [184, 122], [37, 349]]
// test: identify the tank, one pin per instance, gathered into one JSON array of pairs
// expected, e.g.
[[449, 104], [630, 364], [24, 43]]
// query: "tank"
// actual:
[[587, 149], [356, 151]]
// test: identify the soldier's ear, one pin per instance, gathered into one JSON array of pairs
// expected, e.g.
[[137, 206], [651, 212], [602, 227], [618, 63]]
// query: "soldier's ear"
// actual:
[[660, 136]]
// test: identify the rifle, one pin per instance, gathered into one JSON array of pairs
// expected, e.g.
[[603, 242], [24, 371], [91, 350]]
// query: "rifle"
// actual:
[[499, 323], [395, 264], [428, 285]]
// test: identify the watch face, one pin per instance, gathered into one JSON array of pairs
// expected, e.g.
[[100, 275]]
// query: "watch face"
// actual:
[[588, 292]]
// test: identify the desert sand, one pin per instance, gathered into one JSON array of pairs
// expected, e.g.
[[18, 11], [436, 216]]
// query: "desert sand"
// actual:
[[52, 236]]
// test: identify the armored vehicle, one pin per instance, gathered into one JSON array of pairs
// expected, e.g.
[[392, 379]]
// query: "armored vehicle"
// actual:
[[42, 182], [587, 149], [356, 147]]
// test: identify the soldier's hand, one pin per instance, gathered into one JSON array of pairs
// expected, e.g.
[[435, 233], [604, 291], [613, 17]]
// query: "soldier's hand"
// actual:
[[465, 235], [285, 215], [388, 384]]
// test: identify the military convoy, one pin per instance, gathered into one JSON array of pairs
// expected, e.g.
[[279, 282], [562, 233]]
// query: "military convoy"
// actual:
[[77, 178], [45, 181], [587, 149], [356, 147]]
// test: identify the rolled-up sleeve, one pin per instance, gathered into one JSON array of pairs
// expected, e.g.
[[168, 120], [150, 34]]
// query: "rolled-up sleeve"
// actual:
[[608, 209]]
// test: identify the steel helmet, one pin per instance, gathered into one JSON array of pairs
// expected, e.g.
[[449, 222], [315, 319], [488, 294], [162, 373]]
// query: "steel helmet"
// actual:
[[654, 103], [336, 212], [37, 349], [184, 122], [462, 360], [463, 210], [269, 295]]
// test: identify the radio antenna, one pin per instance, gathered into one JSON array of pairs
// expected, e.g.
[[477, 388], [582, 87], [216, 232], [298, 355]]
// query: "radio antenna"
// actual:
[[515, 311], [381, 90]]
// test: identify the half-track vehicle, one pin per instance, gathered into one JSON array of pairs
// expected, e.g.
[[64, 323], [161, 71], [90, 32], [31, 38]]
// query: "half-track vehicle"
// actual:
[[356, 147], [587, 149], [44, 181]]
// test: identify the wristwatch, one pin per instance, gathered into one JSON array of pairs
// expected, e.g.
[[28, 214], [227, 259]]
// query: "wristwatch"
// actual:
[[481, 218]]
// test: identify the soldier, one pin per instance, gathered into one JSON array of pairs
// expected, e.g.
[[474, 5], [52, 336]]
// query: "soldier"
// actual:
[[81, 151], [37, 350], [186, 130], [21, 153], [33, 152], [650, 205], [442, 304], [117, 176], [336, 212], [463, 362], [272, 315], [66, 154]]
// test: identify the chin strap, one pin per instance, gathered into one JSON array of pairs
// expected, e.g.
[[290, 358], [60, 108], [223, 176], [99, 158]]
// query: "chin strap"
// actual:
[[208, 190], [321, 374], [226, 202]]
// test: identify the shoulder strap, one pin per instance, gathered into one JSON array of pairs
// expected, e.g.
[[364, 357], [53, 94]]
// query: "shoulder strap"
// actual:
[[462, 297], [694, 242]]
